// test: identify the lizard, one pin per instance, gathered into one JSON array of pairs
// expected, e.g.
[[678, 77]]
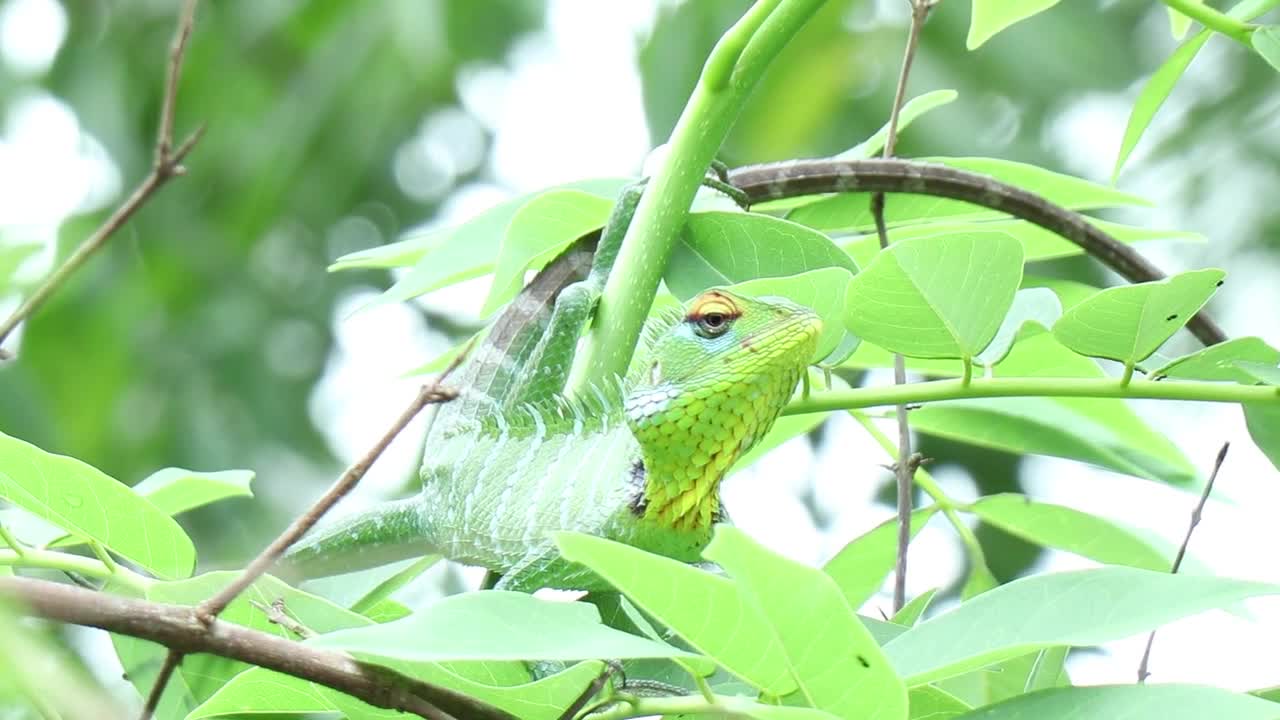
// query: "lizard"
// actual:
[[505, 407], [640, 460]]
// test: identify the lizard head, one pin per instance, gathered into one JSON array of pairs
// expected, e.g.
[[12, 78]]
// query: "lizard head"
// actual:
[[714, 381]]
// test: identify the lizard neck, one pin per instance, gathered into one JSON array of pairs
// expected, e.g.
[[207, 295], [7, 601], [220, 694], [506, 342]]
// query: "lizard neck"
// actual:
[[690, 437]]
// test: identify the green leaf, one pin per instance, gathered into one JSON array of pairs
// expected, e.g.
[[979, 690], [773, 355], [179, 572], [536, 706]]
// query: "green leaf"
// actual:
[[543, 699], [741, 706], [175, 490], [1069, 292], [1065, 528], [1106, 433], [932, 703], [1131, 702], [1037, 242], [1162, 82], [384, 589], [1129, 322], [539, 231], [861, 566], [991, 16], [710, 612], [1154, 94], [86, 502], [836, 664], [1217, 362], [936, 297], [1038, 306], [496, 625], [470, 248], [822, 291], [1080, 608], [1263, 422], [1265, 373], [1016, 676], [912, 109], [911, 613], [261, 691], [846, 212], [722, 248], [869, 355], [1266, 41], [405, 253]]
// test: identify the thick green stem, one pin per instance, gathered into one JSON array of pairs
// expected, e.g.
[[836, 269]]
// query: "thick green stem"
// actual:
[[731, 72], [35, 558], [1212, 19], [1024, 387]]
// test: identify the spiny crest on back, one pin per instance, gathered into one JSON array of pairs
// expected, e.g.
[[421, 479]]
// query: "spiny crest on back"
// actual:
[[593, 411], [659, 324]]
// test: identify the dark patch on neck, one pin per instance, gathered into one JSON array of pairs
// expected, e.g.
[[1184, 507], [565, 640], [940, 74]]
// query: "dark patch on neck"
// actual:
[[638, 502]]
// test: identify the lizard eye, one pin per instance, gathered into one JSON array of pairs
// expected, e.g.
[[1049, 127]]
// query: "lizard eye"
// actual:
[[712, 314], [713, 324]]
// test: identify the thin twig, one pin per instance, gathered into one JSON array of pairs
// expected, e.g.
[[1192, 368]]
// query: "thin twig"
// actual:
[[1182, 550], [176, 627], [166, 165], [171, 661], [278, 614], [905, 468], [427, 395]]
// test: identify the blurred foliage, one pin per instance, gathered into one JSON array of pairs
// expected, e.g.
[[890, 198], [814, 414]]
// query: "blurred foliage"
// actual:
[[197, 337]]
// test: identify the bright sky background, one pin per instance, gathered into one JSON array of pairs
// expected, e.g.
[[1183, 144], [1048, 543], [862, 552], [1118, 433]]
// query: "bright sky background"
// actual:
[[51, 168]]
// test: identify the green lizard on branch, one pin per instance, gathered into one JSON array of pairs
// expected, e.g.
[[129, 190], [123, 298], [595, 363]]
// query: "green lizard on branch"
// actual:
[[512, 460]]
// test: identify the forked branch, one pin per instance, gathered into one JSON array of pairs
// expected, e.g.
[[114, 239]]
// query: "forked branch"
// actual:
[[166, 165]]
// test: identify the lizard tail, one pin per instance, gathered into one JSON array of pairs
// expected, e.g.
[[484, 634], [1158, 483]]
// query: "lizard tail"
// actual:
[[383, 534]]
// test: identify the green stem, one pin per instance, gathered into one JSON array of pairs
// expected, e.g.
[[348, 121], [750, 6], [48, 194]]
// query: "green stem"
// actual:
[[104, 556], [1023, 387], [1128, 375], [1212, 19], [37, 559], [731, 72], [12, 542]]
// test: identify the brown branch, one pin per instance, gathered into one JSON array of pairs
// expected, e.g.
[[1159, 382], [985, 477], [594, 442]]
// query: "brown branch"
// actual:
[[172, 659], [178, 628], [427, 395], [797, 178], [904, 470], [166, 165], [1182, 549]]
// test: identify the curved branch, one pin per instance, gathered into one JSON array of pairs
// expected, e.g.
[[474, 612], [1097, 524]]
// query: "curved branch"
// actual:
[[178, 628], [794, 178]]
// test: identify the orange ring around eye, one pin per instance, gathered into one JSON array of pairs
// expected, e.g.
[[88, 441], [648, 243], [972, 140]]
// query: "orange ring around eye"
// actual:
[[713, 303]]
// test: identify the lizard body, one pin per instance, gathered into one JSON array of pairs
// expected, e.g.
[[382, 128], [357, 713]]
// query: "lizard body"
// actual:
[[512, 461]]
